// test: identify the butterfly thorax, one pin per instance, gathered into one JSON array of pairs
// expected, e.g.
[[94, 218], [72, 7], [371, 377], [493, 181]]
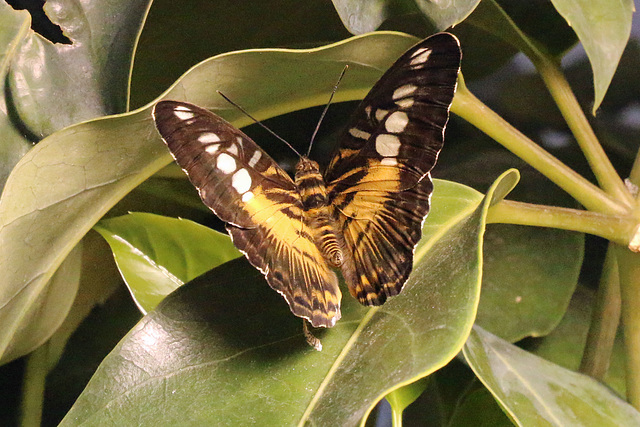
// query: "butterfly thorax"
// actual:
[[319, 214]]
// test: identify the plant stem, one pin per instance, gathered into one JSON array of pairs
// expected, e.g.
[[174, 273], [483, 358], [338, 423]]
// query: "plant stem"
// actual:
[[618, 229], [573, 114], [494, 19], [33, 387], [629, 271], [467, 106], [396, 418], [634, 175], [604, 321], [634, 179]]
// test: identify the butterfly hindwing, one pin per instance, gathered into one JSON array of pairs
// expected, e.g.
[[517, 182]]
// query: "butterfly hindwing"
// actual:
[[258, 201], [379, 180]]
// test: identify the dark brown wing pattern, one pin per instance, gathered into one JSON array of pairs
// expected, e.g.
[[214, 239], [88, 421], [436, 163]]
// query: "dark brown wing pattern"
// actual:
[[259, 202], [379, 178]]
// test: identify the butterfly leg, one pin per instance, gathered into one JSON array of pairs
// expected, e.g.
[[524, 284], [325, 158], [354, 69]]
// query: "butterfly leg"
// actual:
[[312, 340]]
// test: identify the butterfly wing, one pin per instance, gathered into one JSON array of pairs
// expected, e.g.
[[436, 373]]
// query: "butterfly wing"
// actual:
[[258, 201], [379, 179]]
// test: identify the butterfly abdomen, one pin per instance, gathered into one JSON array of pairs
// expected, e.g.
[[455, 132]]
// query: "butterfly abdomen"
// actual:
[[318, 212]]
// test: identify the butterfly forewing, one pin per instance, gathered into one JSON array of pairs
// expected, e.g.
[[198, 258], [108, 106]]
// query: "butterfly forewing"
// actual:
[[379, 178], [258, 201]]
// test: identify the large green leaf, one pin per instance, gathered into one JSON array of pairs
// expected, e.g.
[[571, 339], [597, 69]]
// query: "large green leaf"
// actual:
[[56, 85], [527, 284], [49, 309], [479, 409], [177, 35], [224, 349], [603, 27], [565, 345], [49, 86], [361, 16], [529, 27], [64, 185], [534, 391], [156, 254], [14, 26]]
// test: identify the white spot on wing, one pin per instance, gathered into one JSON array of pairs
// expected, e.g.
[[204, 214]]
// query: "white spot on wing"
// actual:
[[421, 56], [368, 111], [182, 114], [389, 161], [241, 181], [247, 196], [357, 133], [380, 114], [233, 149], [387, 145], [208, 138], [211, 149], [254, 159], [396, 122], [400, 95], [405, 103], [226, 163], [404, 91]]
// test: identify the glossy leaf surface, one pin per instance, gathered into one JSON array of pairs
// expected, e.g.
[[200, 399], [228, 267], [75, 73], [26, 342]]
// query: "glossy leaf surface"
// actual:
[[157, 254], [228, 334], [361, 16], [73, 177], [534, 391]]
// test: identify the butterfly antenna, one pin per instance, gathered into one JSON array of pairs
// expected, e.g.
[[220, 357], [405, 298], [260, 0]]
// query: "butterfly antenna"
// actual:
[[326, 107], [258, 122]]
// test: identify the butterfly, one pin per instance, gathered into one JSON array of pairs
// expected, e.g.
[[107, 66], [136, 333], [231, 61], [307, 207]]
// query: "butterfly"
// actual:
[[363, 215]]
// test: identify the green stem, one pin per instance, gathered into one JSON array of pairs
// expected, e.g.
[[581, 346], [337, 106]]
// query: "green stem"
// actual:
[[604, 321], [619, 229], [495, 20], [573, 114], [629, 270], [396, 418], [634, 180], [634, 175], [36, 372], [467, 106]]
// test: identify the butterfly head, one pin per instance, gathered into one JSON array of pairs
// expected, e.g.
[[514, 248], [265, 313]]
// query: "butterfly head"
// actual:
[[305, 167]]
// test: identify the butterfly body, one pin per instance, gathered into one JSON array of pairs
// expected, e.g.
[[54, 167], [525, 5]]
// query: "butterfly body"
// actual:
[[319, 214], [363, 215]]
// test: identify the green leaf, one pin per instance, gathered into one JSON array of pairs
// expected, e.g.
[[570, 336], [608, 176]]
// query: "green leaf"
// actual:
[[77, 174], [534, 391], [97, 283], [530, 27], [238, 338], [603, 28], [56, 85], [14, 26], [527, 284], [404, 396], [565, 344], [362, 16], [479, 409], [48, 311], [156, 254], [176, 36]]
